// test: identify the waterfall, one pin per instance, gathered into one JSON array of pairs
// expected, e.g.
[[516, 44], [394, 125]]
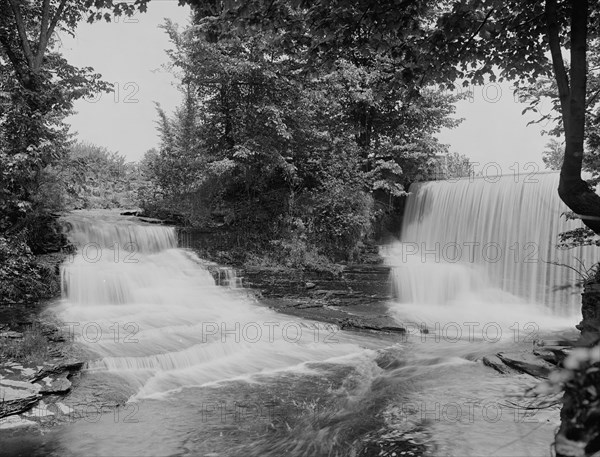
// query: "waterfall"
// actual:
[[489, 240], [153, 313]]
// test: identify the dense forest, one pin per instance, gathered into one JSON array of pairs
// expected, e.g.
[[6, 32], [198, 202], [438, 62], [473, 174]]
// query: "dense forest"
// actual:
[[301, 124]]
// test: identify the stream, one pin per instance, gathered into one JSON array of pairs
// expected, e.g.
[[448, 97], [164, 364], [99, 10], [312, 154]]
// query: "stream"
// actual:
[[207, 370]]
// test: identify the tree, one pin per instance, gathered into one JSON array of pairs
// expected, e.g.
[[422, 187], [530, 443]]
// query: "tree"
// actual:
[[470, 40], [289, 145], [39, 88]]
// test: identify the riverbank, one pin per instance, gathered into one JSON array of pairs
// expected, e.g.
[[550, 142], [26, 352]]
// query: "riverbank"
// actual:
[[40, 365], [355, 298], [39, 361]]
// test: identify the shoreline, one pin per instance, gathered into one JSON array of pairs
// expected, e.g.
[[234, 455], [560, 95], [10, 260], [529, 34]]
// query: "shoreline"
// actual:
[[352, 300]]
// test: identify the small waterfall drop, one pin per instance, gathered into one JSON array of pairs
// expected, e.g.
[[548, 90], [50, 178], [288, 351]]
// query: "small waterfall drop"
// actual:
[[208, 371], [155, 315], [478, 242]]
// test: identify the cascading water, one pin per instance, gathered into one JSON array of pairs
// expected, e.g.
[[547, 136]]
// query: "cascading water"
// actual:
[[189, 352], [487, 240], [154, 314], [474, 267], [210, 372]]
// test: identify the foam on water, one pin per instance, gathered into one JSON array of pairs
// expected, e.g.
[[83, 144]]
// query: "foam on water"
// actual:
[[486, 248], [154, 315]]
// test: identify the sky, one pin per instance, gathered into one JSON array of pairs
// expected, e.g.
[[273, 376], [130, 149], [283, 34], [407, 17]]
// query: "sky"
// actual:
[[495, 132], [130, 53]]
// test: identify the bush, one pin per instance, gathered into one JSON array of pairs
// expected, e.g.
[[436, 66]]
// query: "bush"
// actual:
[[337, 217], [21, 277], [297, 253]]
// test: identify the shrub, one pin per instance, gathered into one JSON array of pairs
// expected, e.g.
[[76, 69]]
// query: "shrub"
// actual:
[[21, 277]]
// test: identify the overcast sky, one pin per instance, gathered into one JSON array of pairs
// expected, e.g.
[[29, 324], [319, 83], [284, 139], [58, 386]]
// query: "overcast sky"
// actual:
[[130, 52]]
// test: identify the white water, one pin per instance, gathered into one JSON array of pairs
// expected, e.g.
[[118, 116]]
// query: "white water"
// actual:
[[473, 266], [159, 322], [153, 314], [474, 244]]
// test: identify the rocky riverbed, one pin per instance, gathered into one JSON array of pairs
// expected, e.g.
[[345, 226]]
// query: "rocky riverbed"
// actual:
[[356, 299], [39, 366], [37, 393]]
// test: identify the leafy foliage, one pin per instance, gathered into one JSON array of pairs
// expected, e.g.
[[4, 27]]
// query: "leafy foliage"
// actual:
[[262, 143], [39, 87], [21, 277], [90, 176], [553, 154]]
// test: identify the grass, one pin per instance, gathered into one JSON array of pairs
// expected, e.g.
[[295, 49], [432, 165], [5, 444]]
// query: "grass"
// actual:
[[32, 347]]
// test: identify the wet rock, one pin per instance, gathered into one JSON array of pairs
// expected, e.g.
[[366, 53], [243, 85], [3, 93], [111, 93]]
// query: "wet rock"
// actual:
[[360, 324], [493, 361], [26, 372], [58, 385], [552, 354], [40, 411], [308, 304], [11, 334], [57, 369], [526, 362], [17, 396]]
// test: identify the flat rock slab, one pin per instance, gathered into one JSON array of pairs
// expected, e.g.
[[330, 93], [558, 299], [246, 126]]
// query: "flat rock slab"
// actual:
[[493, 361], [11, 334], [17, 396], [552, 354], [57, 369], [526, 362], [58, 385]]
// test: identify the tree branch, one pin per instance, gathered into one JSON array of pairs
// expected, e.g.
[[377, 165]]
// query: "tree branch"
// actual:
[[560, 72], [43, 39], [22, 32], [49, 31], [14, 58], [485, 19], [593, 97], [57, 16]]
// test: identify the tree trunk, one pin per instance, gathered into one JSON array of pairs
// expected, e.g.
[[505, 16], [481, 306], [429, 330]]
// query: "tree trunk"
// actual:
[[577, 435], [575, 192]]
